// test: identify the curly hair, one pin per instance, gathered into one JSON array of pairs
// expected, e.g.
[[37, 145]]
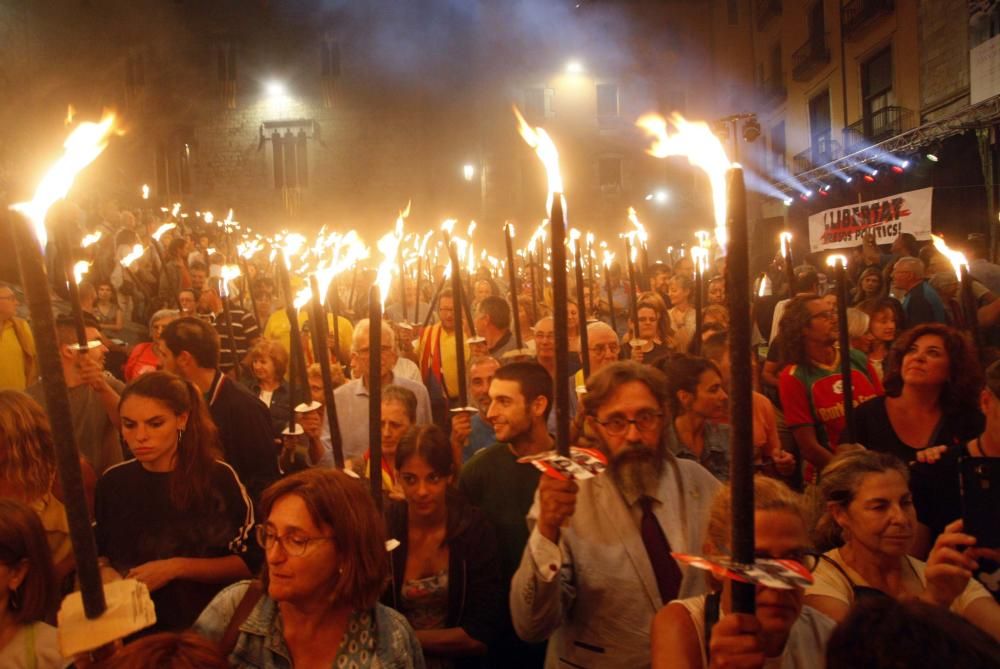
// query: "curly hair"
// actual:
[[27, 452], [965, 378], [795, 319]]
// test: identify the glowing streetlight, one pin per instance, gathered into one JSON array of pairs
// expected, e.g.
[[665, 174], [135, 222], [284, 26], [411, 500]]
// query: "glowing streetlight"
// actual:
[[275, 89], [468, 171], [574, 67]]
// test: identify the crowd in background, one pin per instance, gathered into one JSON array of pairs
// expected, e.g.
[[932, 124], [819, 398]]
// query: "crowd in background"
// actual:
[[259, 552]]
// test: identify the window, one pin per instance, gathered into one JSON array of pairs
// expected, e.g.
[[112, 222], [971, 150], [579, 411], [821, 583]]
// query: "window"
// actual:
[[819, 128], [609, 174], [173, 164], [607, 101], [778, 147], [538, 103], [329, 69], [226, 72], [877, 94], [290, 158]]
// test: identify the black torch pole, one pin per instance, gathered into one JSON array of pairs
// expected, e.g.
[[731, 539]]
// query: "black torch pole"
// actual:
[[560, 325], [375, 392], [582, 311], [633, 305], [512, 278], [456, 288], [36, 292], [741, 403], [699, 289], [847, 436], [322, 354]]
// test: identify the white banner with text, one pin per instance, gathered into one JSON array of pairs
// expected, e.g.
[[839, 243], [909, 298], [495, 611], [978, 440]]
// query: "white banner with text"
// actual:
[[886, 218]]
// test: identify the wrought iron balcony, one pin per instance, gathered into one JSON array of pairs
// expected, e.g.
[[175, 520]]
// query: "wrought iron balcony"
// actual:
[[877, 127], [823, 150], [859, 15], [765, 10], [810, 57]]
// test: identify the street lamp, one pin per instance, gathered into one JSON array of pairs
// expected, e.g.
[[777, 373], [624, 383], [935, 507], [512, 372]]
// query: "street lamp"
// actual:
[[275, 89], [574, 67], [468, 171]]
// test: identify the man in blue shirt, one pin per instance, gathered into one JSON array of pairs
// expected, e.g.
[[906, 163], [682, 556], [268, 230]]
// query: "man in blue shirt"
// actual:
[[921, 303], [472, 432]]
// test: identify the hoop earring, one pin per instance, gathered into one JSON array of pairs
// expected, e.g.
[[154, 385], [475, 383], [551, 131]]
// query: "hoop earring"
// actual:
[[180, 436]]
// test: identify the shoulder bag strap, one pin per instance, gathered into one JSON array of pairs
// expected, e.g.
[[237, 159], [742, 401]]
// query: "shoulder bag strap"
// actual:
[[250, 598]]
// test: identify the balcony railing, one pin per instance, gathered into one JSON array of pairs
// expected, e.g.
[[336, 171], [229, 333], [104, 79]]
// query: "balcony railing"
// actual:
[[860, 14], [877, 127], [810, 57], [823, 150], [765, 10]]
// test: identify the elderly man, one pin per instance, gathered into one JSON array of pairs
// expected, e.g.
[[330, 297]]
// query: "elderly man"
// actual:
[[597, 566], [492, 321], [921, 303], [604, 348], [352, 397], [471, 433]]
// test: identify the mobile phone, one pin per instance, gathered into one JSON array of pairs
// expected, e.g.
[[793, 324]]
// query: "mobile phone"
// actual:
[[980, 484]]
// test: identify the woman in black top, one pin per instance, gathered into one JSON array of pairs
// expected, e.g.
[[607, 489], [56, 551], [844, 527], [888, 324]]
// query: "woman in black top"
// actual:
[[932, 387], [446, 571], [173, 517]]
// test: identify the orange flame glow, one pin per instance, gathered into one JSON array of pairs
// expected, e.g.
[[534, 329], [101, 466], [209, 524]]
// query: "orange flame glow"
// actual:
[[163, 229], [91, 239], [132, 255], [957, 258]]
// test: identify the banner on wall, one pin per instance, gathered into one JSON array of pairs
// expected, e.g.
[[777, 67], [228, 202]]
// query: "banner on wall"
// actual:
[[886, 218]]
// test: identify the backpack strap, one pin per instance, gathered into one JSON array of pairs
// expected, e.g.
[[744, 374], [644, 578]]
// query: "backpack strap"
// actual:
[[250, 598]]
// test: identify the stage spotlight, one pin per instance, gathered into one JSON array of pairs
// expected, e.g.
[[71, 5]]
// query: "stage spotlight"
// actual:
[[787, 201], [870, 178]]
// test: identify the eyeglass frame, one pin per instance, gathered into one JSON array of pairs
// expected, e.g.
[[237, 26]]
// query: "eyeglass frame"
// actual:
[[260, 534], [656, 416]]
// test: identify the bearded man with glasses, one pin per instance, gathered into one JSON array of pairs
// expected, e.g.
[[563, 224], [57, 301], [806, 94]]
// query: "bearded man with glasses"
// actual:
[[597, 566]]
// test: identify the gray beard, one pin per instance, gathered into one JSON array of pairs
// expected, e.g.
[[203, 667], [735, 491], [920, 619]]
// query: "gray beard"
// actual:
[[637, 470]]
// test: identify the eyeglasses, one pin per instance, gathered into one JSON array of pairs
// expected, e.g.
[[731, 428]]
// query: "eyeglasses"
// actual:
[[294, 545], [601, 349], [645, 421]]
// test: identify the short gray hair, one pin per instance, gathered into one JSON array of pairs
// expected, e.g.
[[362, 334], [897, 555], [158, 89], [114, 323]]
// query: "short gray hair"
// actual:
[[361, 334], [600, 326], [915, 265], [159, 315]]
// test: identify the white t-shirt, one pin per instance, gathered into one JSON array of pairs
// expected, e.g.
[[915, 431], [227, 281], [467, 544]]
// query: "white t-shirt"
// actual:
[[828, 581], [806, 645], [265, 397], [35, 646]]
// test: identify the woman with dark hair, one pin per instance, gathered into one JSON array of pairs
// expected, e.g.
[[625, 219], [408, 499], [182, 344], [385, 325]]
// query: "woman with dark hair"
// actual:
[[173, 517], [446, 571], [932, 386], [106, 310], [885, 320], [869, 525], [654, 331], [869, 286], [28, 591], [317, 602], [698, 404]]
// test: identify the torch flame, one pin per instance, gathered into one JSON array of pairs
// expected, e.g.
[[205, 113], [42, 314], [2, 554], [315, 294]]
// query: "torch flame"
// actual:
[[176, 209], [699, 256], [163, 229], [293, 243], [145, 191], [449, 226], [70, 113], [91, 239], [229, 273], [82, 147], [209, 217], [80, 268], [957, 258], [543, 145], [133, 255], [640, 229], [703, 149], [786, 242], [762, 290], [609, 258], [702, 237], [834, 258], [249, 248]]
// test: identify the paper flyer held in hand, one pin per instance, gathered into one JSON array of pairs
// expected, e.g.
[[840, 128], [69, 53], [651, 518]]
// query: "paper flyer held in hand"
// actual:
[[782, 574], [581, 464]]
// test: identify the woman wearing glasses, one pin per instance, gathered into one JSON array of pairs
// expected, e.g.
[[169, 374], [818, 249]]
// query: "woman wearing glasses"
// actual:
[[446, 571], [173, 517], [702, 631], [699, 403], [317, 603], [871, 524]]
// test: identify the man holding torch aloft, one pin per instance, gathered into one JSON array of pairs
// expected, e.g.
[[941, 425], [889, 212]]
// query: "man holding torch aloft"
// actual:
[[597, 566]]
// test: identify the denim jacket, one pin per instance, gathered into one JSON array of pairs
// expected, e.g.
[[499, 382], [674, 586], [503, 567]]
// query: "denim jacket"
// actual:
[[260, 644], [714, 455]]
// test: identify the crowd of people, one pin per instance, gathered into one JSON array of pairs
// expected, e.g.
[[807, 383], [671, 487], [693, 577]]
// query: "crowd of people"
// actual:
[[259, 551]]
